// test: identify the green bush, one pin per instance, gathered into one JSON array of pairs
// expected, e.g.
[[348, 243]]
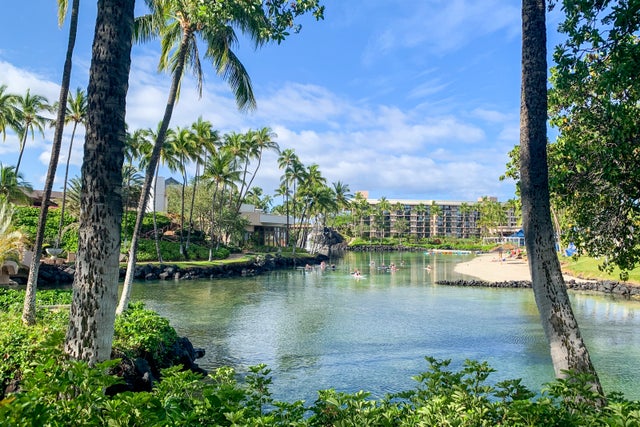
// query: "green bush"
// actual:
[[143, 333], [25, 219], [171, 251]]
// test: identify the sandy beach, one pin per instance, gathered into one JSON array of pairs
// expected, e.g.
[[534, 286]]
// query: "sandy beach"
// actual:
[[489, 268]]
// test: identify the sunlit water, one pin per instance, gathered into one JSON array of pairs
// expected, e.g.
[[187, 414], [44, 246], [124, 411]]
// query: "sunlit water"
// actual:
[[325, 329]]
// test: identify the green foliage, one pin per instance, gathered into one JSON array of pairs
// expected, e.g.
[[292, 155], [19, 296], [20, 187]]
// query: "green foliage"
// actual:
[[25, 219], [55, 391], [171, 251], [143, 333], [595, 105]]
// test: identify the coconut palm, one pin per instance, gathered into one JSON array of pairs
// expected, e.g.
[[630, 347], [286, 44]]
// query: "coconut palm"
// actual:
[[285, 161], [8, 111], [28, 312], [257, 142], [207, 140], [76, 113], [30, 118], [183, 146], [180, 24], [13, 187], [136, 144], [221, 174], [568, 351], [95, 288]]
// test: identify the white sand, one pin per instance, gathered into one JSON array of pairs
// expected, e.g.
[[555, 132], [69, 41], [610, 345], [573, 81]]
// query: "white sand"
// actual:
[[489, 268]]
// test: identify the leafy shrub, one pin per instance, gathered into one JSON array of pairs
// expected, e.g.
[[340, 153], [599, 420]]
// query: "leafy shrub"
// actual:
[[25, 219], [171, 251], [143, 333]]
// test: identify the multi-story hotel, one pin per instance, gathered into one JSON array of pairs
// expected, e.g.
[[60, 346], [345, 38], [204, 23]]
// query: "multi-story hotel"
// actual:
[[434, 218]]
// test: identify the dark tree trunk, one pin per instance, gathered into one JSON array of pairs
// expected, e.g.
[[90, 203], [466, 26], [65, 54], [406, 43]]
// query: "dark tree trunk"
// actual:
[[95, 289], [29, 309], [568, 350]]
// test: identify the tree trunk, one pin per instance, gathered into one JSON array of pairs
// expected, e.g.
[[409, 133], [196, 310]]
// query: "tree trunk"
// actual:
[[568, 351], [64, 188], [151, 167], [95, 290], [29, 308]]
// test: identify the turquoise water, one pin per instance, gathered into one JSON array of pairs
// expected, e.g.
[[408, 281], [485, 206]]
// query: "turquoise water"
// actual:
[[325, 329]]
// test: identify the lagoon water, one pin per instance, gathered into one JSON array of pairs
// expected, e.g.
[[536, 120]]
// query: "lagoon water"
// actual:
[[325, 329]]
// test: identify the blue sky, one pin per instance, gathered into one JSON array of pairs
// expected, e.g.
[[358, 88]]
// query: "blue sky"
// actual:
[[405, 99]]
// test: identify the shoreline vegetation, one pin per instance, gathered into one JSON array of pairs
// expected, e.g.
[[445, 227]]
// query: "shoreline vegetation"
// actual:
[[41, 386]]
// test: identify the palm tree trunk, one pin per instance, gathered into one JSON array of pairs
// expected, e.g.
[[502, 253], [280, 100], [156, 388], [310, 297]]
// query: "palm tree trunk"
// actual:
[[184, 184], [193, 202], [95, 289], [24, 141], [64, 187], [568, 351], [151, 167], [155, 222], [29, 309]]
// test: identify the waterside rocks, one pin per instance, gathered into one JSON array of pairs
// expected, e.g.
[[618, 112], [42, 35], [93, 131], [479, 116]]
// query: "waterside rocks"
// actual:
[[602, 286], [259, 265]]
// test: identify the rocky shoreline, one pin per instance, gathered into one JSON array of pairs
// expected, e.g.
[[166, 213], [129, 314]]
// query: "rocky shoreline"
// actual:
[[602, 286], [50, 275]]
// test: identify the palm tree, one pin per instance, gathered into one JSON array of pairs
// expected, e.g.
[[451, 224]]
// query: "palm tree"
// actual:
[[221, 173], [435, 211], [13, 187], [179, 24], [29, 309], [568, 351], [207, 139], [8, 111], [183, 146], [95, 288], [76, 113], [30, 119], [256, 143], [137, 143], [343, 197], [286, 160]]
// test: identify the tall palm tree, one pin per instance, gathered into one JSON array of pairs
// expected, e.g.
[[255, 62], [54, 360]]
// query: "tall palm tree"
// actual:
[[221, 173], [76, 113], [29, 309], [179, 24], [30, 108], [13, 187], [184, 146], [137, 143], [568, 351], [256, 142], [168, 157], [8, 111], [285, 161], [95, 288], [207, 140]]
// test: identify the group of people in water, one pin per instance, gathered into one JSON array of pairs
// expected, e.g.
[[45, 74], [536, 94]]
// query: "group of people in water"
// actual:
[[356, 272]]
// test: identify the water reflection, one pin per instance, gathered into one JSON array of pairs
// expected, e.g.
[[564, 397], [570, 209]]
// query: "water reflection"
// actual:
[[323, 328]]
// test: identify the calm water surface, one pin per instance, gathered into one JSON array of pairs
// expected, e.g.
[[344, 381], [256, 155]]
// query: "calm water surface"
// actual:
[[326, 329]]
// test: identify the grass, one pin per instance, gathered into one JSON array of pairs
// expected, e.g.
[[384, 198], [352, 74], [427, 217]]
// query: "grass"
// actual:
[[587, 268]]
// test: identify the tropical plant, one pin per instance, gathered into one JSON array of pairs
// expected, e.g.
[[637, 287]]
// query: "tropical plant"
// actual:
[[8, 111], [13, 188], [30, 108], [11, 240], [179, 24], [76, 113], [568, 351]]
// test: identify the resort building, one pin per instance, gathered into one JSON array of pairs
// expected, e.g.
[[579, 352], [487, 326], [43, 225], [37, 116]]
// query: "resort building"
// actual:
[[436, 218]]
